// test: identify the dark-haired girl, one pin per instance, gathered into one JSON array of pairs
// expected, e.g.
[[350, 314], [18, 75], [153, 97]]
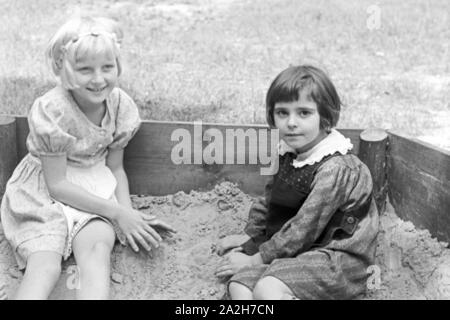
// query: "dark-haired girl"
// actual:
[[313, 236]]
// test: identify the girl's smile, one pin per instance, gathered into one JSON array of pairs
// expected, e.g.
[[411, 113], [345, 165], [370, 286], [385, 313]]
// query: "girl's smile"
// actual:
[[299, 123], [97, 90]]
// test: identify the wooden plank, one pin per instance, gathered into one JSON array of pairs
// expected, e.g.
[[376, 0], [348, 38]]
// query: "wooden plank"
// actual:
[[8, 154], [150, 152], [151, 171], [419, 184], [22, 131]]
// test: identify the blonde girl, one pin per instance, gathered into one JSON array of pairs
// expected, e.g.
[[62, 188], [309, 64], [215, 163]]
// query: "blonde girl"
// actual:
[[70, 192]]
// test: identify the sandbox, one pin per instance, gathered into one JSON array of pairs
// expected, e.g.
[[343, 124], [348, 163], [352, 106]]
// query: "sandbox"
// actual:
[[410, 263]]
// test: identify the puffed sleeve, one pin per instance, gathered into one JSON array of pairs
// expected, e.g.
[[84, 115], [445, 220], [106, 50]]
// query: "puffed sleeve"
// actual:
[[332, 189], [48, 130], [127, 121]]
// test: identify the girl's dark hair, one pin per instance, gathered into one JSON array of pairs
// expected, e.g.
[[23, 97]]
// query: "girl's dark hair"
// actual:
[[309, 80]]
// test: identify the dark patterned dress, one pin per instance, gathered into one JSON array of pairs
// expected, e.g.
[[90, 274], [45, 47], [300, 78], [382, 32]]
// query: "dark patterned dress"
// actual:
[[315, 229]]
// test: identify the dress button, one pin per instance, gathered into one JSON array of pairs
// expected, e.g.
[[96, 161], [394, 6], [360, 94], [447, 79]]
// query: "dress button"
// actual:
[[350, 220]]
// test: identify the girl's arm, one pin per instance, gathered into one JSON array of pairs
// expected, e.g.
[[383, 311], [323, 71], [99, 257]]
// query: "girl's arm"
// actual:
[[335, 186], [60, 189], [114, 161], [132, 222], [256, 224]]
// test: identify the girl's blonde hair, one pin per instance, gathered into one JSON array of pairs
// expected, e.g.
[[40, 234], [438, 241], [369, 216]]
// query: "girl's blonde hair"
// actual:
[[78, 38]]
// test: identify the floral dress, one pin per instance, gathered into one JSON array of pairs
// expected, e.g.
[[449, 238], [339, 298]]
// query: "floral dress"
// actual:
[[31, 219]]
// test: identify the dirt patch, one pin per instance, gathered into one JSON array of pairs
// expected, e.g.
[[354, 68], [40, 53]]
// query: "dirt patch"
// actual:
[[412, 264]]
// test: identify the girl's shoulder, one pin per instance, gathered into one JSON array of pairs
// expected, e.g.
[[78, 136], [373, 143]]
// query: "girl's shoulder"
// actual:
[[348, 163], [346, 173], [53, 103], [56, 94]]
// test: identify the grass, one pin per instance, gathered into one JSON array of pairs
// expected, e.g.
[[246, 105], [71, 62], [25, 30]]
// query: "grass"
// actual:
[[214, 59]]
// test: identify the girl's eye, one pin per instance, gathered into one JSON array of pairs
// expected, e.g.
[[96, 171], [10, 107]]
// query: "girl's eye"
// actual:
[[304, 113], [108, 67], [281, 113], [84, 70]]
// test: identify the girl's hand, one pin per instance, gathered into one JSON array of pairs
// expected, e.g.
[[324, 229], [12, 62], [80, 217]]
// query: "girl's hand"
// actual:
[[230, 242], [232, 263], [160, 226], [137, 229]]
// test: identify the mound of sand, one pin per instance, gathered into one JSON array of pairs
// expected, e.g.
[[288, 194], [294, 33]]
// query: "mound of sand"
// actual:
[[411, 264]]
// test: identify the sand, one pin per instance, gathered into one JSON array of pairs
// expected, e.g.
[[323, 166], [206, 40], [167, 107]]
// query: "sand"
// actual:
[[413, 264], [410, 264]]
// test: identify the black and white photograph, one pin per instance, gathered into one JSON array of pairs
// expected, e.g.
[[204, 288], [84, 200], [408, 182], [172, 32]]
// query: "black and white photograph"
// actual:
[[220, 150]]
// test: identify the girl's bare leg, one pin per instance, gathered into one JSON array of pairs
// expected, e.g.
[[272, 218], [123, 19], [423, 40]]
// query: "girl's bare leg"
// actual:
[[239, 292], [42, 272], [92, 248], [3, 295], [270, 288]]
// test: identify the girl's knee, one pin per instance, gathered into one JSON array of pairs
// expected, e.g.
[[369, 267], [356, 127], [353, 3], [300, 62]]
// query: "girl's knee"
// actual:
[[51, 269], [270, 288], [238, 291], [44, 267], [98, 251], [95, 259], [102, 248], [234, 286], [95, 241], [262, 290]]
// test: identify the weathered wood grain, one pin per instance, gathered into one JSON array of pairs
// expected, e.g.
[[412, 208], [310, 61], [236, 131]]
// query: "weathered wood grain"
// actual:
[[150, 152], [419, 184], [22, 131], [8, 150], [150, 168]]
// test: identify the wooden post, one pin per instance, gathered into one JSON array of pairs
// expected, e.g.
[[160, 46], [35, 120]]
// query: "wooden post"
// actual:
[[8, 150], [372, 151]]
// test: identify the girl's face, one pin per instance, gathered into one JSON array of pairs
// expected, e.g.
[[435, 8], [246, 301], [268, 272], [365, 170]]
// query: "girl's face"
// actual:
[[96, 76], [299, 123]]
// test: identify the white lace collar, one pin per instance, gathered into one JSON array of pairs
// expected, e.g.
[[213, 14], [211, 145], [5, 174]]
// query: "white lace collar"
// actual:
[[334, 142]]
